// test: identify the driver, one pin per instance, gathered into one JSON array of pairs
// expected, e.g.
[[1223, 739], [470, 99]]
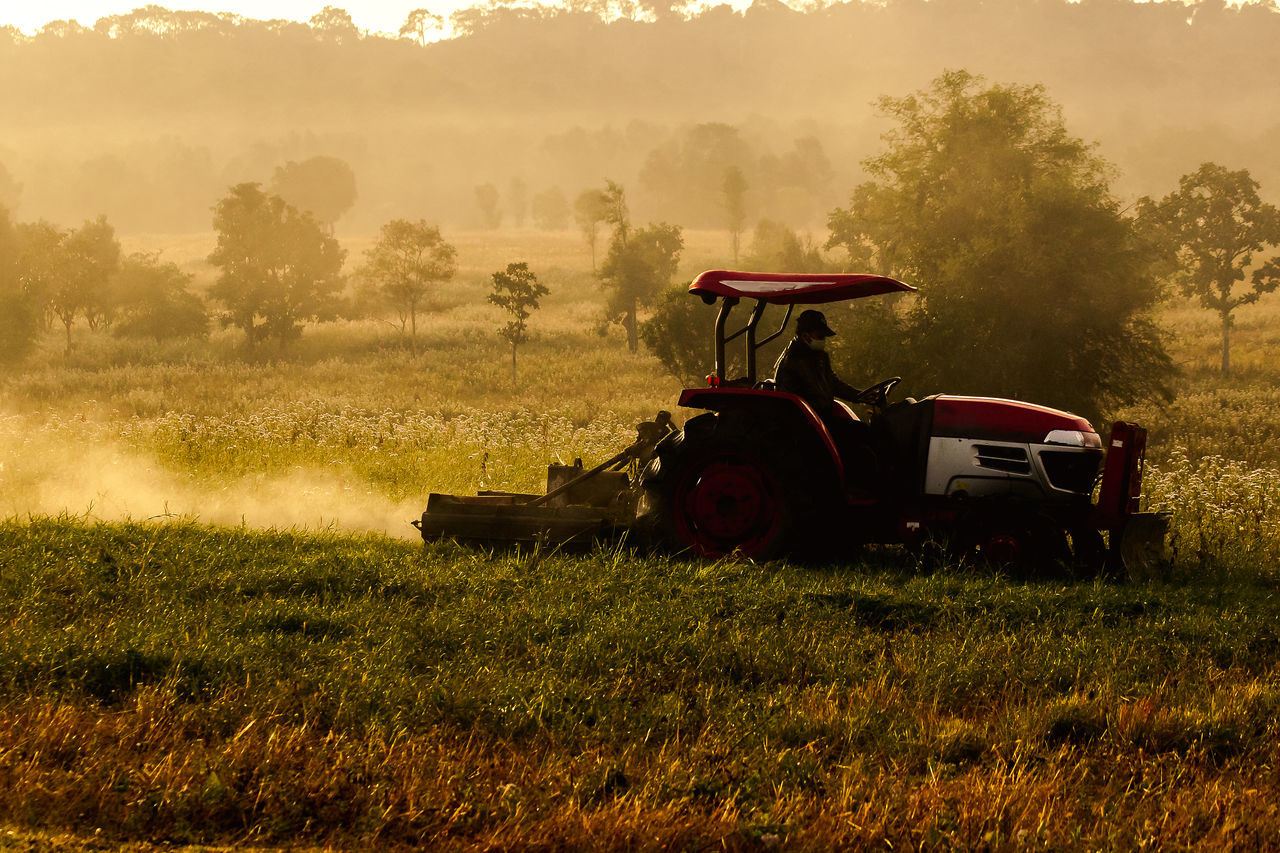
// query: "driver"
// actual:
[[804, 368]]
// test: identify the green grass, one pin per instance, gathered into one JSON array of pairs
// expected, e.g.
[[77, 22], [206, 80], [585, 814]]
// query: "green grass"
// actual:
[[319, 686], [209, 635]]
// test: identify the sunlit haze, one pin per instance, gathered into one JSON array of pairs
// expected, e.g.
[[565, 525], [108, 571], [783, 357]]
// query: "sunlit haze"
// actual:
[[530, 102]]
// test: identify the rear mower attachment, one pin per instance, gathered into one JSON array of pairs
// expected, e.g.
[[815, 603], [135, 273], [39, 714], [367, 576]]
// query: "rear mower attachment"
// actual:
[[579, 505]]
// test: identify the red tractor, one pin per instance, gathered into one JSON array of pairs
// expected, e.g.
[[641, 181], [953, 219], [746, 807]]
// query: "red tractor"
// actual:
[[759, 474], [1006, 482]]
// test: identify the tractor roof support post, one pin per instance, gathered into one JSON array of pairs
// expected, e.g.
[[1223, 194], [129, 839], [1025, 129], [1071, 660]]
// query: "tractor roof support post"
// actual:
[[721, 319], [756, 314], [781, 328]]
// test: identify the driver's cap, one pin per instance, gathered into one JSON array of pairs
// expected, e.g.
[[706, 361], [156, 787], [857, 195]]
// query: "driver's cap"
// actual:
[[813, 321]]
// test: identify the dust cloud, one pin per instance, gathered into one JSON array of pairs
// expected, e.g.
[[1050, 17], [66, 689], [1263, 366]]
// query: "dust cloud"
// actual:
[[43, 475]]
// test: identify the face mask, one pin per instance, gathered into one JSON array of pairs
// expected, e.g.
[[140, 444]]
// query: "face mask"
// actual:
[[818, 344]]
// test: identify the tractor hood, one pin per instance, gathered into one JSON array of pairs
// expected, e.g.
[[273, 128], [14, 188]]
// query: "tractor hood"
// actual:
[[792, 288], [994, 419]]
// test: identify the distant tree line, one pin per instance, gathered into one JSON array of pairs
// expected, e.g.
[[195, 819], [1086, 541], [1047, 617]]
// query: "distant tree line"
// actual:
[[1163, 49], [166, 185], [279, 267], [194, 101]]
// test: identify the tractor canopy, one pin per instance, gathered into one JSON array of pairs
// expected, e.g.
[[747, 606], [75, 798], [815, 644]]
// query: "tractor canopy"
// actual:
[[792, 288]]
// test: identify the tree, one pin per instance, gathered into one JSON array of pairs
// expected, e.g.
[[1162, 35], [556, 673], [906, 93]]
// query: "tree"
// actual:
[[517, 291], [64, 30], [407, 259], [796, 185], [550, 210], [1032, 282], [590, 211], [679, 334], [639, 265], [487, 200], [18, 319], [153, 20], [806, 166], [1212, 226], [735, 194], [69, 272], [336, 24], [279, 267], [615, 209], [93, 258], [777, 248], [687, 174], [49, 270], [323, 186], [419, 22], [155, 300], [664, 9], [40, 263]]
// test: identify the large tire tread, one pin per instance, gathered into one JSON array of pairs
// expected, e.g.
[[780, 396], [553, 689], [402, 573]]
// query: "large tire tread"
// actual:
[[705, 442]]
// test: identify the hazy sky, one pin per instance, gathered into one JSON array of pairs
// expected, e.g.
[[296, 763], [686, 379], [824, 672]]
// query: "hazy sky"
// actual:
[[376, 15]]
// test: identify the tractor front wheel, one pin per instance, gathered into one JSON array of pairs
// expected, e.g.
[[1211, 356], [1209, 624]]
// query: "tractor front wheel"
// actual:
[[1020, 544]]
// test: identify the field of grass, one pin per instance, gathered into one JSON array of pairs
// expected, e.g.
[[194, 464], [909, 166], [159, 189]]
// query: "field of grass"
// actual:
[[191, 684], [219, 628]]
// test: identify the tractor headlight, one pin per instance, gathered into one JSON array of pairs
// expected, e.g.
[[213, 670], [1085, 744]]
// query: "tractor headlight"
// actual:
[[1073, 438]]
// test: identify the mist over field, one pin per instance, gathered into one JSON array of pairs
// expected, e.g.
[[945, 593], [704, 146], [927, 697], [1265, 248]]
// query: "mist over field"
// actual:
[[149, 116]]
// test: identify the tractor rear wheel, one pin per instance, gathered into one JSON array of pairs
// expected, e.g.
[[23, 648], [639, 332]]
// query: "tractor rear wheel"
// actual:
[[716, 498]]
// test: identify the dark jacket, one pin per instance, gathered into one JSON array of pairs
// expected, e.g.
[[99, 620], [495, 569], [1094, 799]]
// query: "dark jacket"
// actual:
[[807, 373]]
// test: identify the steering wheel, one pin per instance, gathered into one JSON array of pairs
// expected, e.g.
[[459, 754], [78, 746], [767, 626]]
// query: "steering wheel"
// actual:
[[878, 395]]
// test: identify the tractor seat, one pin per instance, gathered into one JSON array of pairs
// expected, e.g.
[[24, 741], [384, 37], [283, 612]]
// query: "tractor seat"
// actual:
[[840, 411]]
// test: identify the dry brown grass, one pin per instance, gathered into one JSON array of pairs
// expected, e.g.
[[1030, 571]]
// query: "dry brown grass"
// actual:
[[161, 770]]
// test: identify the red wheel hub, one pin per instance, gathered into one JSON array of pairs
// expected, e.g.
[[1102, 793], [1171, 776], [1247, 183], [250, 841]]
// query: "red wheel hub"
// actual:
[[1004, 549], [728, 503]]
